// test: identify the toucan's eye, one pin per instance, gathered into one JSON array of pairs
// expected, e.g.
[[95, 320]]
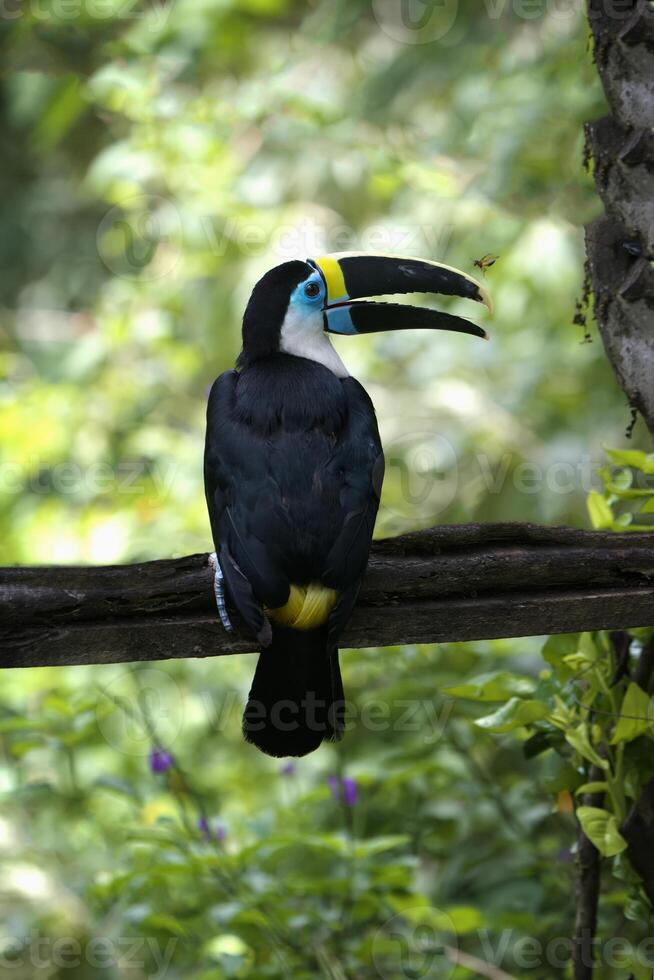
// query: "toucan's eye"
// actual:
[[312, 289]]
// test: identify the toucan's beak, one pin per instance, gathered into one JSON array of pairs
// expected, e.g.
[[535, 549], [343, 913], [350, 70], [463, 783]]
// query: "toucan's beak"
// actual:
[[352, 278]]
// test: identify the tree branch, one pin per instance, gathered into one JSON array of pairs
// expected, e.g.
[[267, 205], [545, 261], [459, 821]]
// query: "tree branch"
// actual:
[[638, 828], [589, 872], [441, 584], [638, 831], [589, 859]]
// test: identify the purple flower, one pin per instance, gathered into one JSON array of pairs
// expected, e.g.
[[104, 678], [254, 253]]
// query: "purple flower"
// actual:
[[160, 760], [334, 784], [343, 790], [219, 833], [287, 769], [349, 791]]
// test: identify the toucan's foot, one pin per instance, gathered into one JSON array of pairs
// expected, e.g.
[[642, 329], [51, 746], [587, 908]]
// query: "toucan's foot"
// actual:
[[219, 592]]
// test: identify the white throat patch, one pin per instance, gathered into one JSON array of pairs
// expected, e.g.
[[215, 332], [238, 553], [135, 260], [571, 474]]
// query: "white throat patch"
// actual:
[[302, 334]]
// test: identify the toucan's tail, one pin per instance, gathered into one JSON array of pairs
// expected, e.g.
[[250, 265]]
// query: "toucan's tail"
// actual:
[[296, 698]]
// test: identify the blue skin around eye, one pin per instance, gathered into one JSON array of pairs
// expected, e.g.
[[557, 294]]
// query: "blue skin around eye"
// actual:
[[299, 297], [338, 317]]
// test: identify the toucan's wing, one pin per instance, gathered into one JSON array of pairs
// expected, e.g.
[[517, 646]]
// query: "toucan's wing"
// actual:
[[235, 488], [358, 462], [215, 485]]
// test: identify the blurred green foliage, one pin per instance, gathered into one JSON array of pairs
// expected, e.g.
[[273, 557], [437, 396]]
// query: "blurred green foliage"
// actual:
[[157, 158], [626, 502]]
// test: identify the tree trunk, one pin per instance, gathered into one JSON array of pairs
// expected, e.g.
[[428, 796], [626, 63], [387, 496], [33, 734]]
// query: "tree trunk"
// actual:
[[619, 248], [620, 245]]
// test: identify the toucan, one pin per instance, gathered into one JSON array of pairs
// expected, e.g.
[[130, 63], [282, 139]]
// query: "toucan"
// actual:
[[293, 470]]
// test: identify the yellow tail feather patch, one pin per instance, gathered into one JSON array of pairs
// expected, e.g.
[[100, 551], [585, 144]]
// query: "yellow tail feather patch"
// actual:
[[307, 608]]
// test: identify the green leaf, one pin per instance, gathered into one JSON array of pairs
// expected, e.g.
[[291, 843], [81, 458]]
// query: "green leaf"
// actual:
[[632, 457], [636, 715], [620, 481], [540, 742], [466, 918], [495, 686], [562, 716], [601, 827], [165, 923], [557, 648], [21, 748], [638, 909], [632, 494], [58, 705], [514, 714], [16, 725], [377, 845], [591, 788], [637, 969], [599, 511], [559, 775], [579, 739], [226, 945]]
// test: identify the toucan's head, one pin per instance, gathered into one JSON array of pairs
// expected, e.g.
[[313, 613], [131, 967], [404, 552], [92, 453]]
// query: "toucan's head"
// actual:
[[296, 304]]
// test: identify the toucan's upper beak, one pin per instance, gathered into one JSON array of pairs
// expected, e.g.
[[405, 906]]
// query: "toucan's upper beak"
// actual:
[[351, 278]]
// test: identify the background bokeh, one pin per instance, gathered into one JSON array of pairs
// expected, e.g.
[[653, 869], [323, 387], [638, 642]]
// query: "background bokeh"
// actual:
[[156, 159]]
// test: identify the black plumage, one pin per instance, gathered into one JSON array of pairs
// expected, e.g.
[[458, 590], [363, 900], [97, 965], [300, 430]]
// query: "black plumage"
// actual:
[[293, 471]]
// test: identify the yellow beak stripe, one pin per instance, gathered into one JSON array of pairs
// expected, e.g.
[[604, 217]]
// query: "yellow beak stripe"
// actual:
[[308, 607], [333, 276]]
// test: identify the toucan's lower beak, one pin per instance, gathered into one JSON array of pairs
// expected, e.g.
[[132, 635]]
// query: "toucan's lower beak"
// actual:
[[352, 278]]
